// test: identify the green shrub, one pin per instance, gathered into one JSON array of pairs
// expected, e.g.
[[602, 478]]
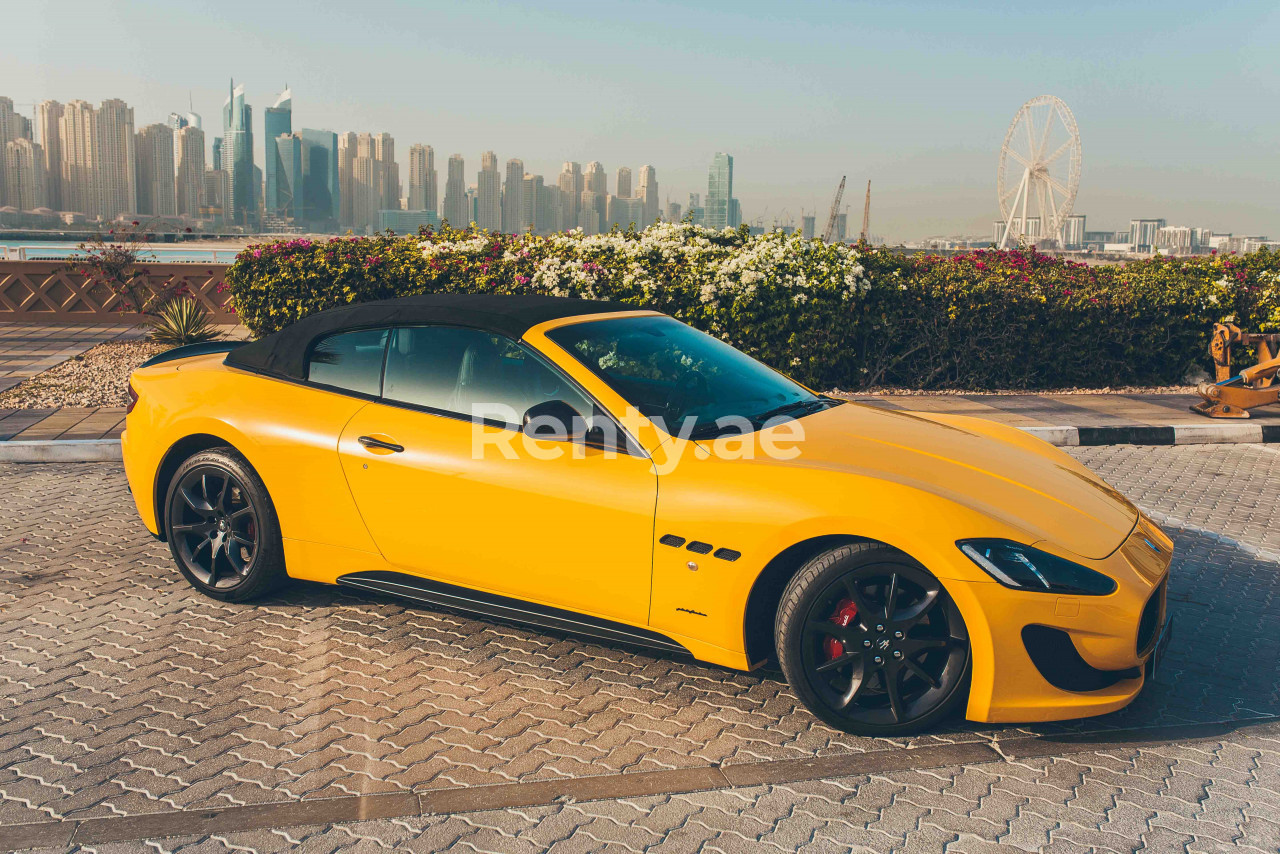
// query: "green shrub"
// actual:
[[830, 315]]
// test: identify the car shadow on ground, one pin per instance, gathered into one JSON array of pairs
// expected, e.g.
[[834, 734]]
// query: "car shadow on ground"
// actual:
[[1223, 663]]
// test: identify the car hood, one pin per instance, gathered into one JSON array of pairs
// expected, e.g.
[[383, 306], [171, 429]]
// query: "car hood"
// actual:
[[1019, 481]]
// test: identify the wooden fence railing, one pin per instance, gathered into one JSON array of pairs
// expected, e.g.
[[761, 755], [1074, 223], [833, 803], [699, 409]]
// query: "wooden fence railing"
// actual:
[[45, 291]]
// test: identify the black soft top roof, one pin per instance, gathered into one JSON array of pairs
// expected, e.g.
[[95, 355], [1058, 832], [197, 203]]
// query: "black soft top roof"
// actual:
[[285, 353]]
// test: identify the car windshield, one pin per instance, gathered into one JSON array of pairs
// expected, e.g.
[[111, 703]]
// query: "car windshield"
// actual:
[[683, 379]]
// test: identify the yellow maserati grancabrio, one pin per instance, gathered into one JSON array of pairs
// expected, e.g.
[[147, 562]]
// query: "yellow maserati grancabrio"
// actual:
[[609, 471]]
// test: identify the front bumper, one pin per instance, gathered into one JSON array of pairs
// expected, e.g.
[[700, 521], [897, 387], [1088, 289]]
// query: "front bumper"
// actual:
[[1041, 657]]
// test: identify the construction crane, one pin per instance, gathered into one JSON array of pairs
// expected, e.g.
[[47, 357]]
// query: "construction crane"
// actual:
[[835, 209], [865, 238]]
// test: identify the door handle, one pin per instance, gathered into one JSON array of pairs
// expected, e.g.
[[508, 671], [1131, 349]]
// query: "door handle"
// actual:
[[370, 443]]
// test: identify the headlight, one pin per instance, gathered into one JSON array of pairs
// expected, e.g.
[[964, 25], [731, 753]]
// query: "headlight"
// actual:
[[1024, 568]]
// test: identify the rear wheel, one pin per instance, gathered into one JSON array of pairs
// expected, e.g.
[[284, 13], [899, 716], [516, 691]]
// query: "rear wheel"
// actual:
[[871, 642], [222, 527]]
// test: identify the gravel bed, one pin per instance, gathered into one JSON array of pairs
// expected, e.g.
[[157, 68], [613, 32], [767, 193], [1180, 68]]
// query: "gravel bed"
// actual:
[[98, 377]]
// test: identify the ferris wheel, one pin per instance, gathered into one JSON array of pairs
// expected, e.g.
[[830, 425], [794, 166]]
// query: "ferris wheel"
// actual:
[[1039, 172]]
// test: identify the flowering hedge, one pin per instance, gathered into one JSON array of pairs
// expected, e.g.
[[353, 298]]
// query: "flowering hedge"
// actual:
[[833, 316]]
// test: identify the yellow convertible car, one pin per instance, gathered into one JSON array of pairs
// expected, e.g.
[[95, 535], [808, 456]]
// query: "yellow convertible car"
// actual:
[[609, 471]]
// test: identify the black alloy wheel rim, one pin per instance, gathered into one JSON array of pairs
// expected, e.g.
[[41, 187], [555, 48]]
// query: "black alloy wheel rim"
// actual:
[[884, 645], [214, 526]]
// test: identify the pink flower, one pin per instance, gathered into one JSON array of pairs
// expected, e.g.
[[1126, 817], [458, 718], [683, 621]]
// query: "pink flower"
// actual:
[[257, 253]]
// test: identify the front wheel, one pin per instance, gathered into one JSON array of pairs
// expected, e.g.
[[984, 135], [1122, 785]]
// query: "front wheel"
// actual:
[[222, 527], [871, 642]]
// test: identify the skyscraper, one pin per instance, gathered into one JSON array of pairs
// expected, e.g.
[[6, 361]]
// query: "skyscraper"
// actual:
[[422, 178], [455, 193], [13, 125], [649, 195], [548, 217], [321, 184], [596, 183], [384, 149], [625, 212], [533, 186], [237, 159], [513, 198], [217, 187], [570, 184], [23, 184], [153, 150], [719, 207], [9, 125], [489, 193], [189, 170], [368, 177], [289, 200], [117, 170], [48, 114], [78, 139], [277, 121], [588, 218], [216, 162], [623, 184]]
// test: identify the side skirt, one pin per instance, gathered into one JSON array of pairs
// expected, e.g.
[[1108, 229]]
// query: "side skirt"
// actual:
[[418, 589]]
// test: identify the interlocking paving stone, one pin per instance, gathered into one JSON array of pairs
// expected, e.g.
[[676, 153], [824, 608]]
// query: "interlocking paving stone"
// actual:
[[122, 692]]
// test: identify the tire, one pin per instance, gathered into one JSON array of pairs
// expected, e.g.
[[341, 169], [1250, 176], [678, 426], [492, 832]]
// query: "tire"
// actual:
[[880, 675], [222, 527]]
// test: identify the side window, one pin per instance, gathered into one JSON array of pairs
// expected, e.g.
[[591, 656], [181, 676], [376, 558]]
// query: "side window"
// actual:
[[349, 360], [473, 373]]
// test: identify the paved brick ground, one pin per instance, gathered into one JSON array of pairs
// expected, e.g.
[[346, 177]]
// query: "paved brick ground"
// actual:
[[123, 692]]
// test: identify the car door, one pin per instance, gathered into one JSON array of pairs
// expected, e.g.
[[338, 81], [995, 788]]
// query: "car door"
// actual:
[[476, 503]]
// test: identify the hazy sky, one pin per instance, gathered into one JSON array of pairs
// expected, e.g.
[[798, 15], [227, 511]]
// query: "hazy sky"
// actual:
[[1178, 103]]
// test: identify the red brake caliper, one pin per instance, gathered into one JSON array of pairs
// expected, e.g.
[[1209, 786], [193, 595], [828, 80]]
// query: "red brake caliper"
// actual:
[[843, 616]]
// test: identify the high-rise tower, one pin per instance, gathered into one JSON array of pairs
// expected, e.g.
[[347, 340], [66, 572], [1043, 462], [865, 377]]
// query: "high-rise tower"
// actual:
[[719, 207], [117, 175], [649, 195], [455, 193], [277, 121], [570, 184], [422, 178], [489, 193], [153, 150], [513, 198], [596, 183], [189, 170], [237, 159], [48, 114]]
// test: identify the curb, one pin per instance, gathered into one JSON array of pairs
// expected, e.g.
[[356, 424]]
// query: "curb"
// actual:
[[61, 451], [1211, 433], [1232, 433]]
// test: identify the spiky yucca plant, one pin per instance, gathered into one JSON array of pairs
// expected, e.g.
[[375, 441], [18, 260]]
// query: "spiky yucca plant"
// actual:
[[181, 321]]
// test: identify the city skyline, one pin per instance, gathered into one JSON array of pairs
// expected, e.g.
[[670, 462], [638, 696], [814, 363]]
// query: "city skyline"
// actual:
[[321, 181], [1167, 104]]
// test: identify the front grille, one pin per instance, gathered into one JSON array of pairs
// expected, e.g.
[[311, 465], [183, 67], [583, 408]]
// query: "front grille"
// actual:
[[1152, 615]]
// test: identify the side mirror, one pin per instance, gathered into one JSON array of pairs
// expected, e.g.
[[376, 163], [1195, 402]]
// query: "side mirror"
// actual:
[[554, 421]]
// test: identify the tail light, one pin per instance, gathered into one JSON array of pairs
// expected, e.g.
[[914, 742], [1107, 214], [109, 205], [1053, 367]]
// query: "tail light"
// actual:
[[133, 399]]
